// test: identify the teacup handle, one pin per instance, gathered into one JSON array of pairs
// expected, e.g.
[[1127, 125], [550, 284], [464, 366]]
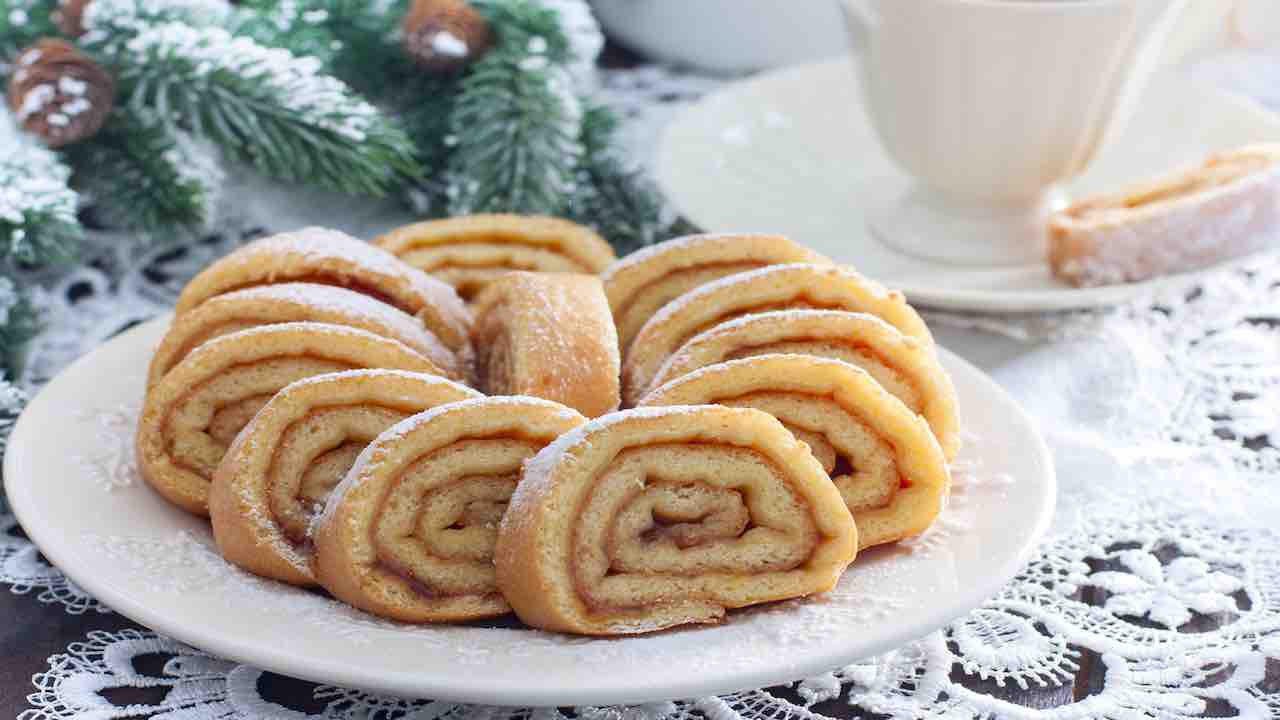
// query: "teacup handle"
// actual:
[[861, 20]]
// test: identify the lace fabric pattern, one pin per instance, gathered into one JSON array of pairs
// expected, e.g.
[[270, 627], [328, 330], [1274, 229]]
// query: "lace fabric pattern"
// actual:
[[1135, 591], [25, 572], [1156, 595]]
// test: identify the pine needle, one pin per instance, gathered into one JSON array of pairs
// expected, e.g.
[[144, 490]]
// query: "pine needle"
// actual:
[[19, 322], [38, 222], [358, 40], [145, 175], [12, 400], [616, 200], [515, 119], [22, 22], [111, 24], [265, 107]]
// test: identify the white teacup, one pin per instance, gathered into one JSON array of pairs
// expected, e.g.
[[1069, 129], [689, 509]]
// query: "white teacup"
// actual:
[[990, 104]]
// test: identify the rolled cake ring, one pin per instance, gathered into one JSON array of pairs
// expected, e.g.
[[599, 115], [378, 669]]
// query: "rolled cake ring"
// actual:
[[295, 302], [409, 533], [469, 252], [280, 469], [879, 454], [549, 335], [639, 284], [778, 287], [191, 416], [328, 257], [902, 365], [646, 519]]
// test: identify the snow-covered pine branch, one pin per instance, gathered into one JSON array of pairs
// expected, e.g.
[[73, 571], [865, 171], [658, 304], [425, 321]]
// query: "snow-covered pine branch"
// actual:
[[144, 174], [265, 107], [37, 207]]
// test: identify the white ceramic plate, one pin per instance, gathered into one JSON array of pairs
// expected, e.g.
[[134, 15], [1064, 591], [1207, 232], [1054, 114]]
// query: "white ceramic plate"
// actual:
[[793, 152], [70, 477]]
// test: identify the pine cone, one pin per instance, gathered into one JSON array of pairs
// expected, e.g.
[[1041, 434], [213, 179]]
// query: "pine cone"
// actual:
[[69, 17], [445, 35], [59, 94]]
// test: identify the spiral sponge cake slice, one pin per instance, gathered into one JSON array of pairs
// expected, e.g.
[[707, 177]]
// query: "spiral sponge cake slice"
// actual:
[[650, 518], [409, 534], [470, 252], [281, 468], [901, 364], [296, 302], [549, 335], [881, 456], [329, 257], [640, 284], [778, 287], [193, 414]]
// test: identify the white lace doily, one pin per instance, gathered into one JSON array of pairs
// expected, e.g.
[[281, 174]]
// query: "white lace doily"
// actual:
[[1160, 584], [1128, 589]]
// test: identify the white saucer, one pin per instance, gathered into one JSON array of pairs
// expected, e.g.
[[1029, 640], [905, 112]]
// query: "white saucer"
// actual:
[[793, 152], [70, 477]]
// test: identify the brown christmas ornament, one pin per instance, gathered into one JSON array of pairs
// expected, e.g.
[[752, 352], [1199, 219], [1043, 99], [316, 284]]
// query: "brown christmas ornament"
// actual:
[[58, 94], [69, 17], [445, 35]]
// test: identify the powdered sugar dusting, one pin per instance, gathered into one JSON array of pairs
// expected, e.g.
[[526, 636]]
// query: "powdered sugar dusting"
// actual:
[[113, 466], [972, 486], [729, 367], [730, 284], [741, 293], [564, 321], [322, 246], [297, 328], [541, 465], [325, 244], [344, 302], [514, 402], [185, 561], [803, 272], [647, 254], [375, 373], [1225, 207], [794, 314], [410, 424], [330, 251], [329, 297]]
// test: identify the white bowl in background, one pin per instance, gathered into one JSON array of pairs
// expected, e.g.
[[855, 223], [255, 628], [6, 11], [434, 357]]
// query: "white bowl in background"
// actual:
[[733, 36], [726, 35]]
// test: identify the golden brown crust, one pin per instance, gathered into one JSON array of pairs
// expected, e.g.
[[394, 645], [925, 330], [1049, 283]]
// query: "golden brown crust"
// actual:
[[650, 518], [470, 252], [880, 455], [641, 283], [299, 446], [328, 257], [904, 366], [549, 335], [408, 534], [192, 415], [777, 287], [1226, 207], [296, 302]]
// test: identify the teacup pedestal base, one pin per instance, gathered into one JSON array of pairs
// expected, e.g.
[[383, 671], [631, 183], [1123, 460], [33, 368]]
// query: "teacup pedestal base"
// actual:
[[955, 230]]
